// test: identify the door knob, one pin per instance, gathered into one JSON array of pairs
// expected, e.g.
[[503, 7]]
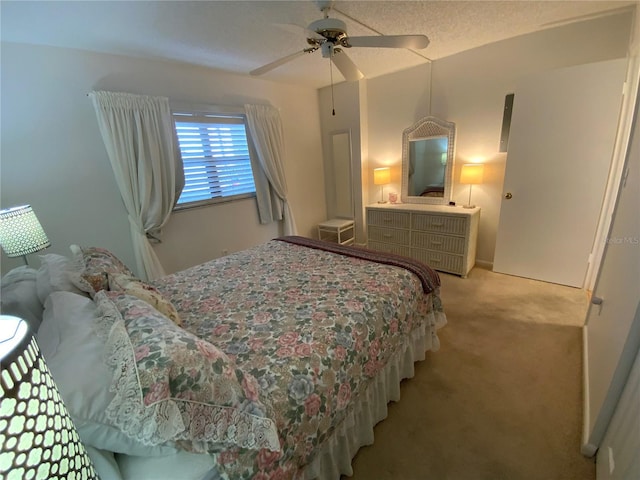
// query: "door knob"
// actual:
[[508, 196]]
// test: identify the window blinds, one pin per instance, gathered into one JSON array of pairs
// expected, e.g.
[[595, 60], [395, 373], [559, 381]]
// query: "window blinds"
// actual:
[[215, 155]]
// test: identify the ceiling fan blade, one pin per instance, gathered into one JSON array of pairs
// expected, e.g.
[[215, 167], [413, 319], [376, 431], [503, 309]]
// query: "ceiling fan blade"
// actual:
[[347, 68], [415, 42], [270, 66]]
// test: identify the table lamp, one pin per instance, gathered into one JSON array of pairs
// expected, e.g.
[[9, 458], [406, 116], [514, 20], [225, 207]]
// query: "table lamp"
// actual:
[[21, 232], [381, 176], [37, 438], [471, 174]]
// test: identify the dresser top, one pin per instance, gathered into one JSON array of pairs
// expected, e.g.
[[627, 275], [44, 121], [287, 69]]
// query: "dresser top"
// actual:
[[420, 207]]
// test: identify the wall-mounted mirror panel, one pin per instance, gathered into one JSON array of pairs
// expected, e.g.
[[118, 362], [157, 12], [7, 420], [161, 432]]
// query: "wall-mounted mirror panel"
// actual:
[[341, 156], [428, 149]]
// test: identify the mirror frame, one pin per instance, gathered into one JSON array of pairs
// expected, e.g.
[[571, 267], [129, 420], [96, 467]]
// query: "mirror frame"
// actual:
[[423, 129]]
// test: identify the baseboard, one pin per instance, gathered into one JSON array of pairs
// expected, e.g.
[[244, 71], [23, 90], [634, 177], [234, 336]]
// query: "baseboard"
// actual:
[[587, 449], [484, 264]]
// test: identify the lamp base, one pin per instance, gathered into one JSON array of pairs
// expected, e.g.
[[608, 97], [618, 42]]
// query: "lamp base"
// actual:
[[468, 206]]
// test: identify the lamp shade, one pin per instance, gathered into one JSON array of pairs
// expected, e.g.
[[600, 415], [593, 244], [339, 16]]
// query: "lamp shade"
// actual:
[[381, 176], [472, 173], [21, 232], [37, 437]]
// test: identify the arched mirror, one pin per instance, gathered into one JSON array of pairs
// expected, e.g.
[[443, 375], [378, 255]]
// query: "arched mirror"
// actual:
[[428, 149]]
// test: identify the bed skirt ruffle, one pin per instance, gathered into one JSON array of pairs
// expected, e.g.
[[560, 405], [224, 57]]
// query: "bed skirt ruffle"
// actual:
[[356, 430]]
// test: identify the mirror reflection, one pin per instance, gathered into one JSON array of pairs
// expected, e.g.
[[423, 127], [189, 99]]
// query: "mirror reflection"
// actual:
[[427, 164], [427, 161]]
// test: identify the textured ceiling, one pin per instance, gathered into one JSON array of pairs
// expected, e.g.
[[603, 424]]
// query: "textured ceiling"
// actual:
[[239, 36]]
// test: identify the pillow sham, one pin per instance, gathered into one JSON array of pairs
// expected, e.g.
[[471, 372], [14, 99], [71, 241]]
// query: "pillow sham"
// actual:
[[20, 297], [142, 290], [94, 265], [173, 386], [75, 355]]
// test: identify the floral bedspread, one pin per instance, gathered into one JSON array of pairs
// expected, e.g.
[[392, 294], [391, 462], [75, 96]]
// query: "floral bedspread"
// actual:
[[312, 327]]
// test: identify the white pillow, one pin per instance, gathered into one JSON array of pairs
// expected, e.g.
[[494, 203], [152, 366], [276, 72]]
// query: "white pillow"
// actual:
[[18, 296], [54, 275], [74, 353], [104, 463], [182, 465]]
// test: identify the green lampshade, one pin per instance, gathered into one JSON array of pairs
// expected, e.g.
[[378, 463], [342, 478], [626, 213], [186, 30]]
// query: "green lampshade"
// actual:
[[21, 232], [37, 437]]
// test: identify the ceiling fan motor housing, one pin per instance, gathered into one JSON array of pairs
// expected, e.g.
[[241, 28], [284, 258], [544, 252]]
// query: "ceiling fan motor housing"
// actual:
[[333, 29]]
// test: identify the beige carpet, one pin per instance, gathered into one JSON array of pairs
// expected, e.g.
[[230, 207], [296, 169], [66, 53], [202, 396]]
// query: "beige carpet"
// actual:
[[501, 399]]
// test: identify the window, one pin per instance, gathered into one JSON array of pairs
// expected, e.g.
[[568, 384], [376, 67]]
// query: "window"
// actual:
[[215, 156]]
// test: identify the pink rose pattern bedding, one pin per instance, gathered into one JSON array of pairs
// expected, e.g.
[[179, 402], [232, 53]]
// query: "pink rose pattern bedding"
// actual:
[[312, 327]]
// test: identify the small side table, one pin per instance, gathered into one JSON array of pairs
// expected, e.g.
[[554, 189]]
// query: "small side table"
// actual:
[[338, 230]]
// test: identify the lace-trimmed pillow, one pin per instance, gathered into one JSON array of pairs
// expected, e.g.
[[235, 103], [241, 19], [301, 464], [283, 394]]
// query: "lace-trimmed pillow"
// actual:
[[170, 385], [134, 286], [74, 353], [94, 263]]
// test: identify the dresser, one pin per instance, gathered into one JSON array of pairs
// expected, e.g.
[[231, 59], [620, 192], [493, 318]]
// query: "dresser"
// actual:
[[441, 236]]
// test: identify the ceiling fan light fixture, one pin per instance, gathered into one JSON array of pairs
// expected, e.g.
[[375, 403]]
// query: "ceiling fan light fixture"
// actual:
[[327, 49]]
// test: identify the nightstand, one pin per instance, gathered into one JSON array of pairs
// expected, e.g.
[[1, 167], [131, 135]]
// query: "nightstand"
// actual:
[[337, 230]]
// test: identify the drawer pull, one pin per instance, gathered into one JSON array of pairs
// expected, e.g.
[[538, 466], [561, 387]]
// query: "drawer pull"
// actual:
[[438, 224], [434, 260], [387, 220], [387, 235], [433, 242]]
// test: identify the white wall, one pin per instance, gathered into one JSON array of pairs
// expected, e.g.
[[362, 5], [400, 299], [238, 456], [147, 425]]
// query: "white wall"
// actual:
[[469, 89], [617, 457], [52, 155], [395, 103]]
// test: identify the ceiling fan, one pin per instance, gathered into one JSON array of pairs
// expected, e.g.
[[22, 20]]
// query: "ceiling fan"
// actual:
[[329, 35]]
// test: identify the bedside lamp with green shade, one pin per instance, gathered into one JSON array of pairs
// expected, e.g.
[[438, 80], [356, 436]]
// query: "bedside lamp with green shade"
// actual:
[[21, 233]]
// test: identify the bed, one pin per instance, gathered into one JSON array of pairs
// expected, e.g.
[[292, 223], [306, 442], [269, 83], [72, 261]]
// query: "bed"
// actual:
[[294, 347]]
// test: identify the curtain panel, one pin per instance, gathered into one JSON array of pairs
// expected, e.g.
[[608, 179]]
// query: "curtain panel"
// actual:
[[139, 136], [267, 137]]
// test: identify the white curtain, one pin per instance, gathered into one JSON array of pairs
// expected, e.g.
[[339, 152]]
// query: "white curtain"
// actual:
[[265, 128], [138, 133]]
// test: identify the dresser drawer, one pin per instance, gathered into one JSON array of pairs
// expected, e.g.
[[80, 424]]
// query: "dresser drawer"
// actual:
[[441, 243], [439, 261], [390, 248], [439, 223], [388, 235], [389, 219]]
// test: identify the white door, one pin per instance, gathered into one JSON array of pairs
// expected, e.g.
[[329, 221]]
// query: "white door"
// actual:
[[561, 142], [611, 333]]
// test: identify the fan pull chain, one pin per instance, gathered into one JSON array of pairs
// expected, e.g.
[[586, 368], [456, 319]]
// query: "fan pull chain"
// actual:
[[333, 109]]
